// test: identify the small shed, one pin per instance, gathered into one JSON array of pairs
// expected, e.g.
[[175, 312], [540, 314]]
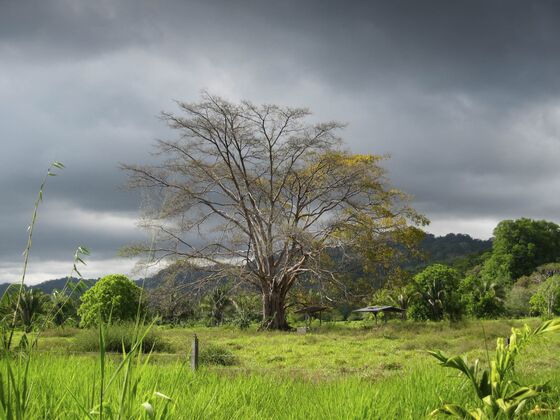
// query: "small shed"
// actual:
[[375, 310], [311, 310]]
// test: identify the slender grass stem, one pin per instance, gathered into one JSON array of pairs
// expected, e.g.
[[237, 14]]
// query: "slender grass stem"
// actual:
[[26, 252]]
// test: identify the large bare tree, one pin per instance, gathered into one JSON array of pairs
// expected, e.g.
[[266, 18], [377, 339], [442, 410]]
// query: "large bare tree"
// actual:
[[263, 192]]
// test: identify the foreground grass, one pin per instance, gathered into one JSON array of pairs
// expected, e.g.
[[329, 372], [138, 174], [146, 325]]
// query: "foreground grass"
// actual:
[[62, 384], [337, 372]]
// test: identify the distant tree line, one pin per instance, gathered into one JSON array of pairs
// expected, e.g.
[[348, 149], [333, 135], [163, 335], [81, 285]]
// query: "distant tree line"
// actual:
[[518, 276]]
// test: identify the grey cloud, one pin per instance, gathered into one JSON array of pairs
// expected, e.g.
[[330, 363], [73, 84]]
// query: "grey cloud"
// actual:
[[76, 27], [463, 95]]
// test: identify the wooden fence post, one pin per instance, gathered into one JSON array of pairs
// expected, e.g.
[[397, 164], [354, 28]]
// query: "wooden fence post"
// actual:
[[194, 354]]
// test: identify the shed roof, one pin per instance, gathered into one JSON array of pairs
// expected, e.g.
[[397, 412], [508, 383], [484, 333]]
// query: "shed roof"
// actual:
[[376, 309]]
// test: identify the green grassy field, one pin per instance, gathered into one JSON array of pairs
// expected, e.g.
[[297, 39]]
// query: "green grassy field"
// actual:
[[338, 371]]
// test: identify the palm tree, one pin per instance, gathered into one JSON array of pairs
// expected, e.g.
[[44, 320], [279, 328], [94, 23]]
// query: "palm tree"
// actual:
[[434, 296], [217, 302], [401, 298], [62, 306], [484, 297], [31, 304]]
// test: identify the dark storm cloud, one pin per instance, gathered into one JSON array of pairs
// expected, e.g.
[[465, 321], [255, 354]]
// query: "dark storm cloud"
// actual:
[[80, 28], [465, 96]]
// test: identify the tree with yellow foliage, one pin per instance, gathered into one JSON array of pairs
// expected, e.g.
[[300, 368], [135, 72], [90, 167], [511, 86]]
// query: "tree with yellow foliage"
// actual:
[[260, 193]]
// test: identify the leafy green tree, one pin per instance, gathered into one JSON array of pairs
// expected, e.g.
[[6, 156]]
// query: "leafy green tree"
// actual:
[[437, 294], [546, 301], [483, 298], [522, 245], [113, 298], [401, 297], [6, 309], [380, 297], [496, 269]]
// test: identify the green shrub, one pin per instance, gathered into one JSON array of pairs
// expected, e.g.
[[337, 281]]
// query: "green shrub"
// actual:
[[116, 335], [546, 301], [517, 301], [212, 354], [483, 298], [437, 295], [115, 297], [247, 310], [418, 311]]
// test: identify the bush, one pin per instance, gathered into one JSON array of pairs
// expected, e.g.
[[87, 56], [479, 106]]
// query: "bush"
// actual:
[[418, 311], [216, 355], [118, 334], [437, 294], [517, 302], [115, 297], [546, 301], [483, 298], [247, 310]]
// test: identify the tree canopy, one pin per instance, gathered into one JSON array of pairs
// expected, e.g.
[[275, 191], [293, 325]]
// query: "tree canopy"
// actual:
[[437, 288], [114, 297], [522, 245], [268, 192]]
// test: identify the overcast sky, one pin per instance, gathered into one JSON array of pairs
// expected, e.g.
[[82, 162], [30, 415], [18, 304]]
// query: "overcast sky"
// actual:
[[464, 96]]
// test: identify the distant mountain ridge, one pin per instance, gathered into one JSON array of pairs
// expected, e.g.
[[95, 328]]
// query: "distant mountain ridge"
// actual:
[[458, 250], [50, 286], [438, 249], [445, 249]]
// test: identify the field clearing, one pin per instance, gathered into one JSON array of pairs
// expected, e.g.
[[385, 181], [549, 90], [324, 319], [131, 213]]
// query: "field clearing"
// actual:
[[336, 348], [337, 371]]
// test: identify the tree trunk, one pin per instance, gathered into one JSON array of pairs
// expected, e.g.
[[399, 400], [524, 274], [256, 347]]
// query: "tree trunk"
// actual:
[[274, 311]]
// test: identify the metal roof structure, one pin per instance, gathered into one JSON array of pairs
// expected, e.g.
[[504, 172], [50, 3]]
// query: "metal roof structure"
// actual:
[[376, 309], [310, 310]]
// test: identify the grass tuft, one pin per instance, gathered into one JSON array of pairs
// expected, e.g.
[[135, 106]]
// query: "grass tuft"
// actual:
[[213, 354], [116, 336]]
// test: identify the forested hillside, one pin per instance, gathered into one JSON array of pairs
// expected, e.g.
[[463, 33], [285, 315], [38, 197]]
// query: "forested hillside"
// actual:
[[445, 249], [454, 249]]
